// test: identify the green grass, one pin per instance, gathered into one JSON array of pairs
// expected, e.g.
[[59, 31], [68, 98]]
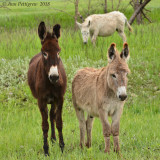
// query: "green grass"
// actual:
[[20, 119]]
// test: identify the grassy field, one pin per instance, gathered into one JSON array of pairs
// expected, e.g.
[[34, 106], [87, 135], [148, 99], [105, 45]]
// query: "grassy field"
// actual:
[[20, 119]]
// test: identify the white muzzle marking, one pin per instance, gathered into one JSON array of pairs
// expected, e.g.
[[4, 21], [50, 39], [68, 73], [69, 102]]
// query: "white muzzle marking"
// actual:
[[85, 37], [53, 71], [121, 91]]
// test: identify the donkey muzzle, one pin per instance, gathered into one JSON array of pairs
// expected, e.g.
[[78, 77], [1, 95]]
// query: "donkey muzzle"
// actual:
[[53, 78], [122, 97], [53, 74], [121, 93]]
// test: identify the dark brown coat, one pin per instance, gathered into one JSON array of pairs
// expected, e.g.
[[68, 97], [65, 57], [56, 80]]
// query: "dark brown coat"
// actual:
[[47, 81]]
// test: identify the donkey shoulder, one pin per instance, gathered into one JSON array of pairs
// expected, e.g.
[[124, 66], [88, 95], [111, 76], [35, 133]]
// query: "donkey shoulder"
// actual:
[[35, 58]]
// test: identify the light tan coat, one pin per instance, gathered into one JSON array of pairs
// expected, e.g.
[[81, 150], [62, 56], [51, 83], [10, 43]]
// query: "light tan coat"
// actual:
[[102, 93], [103, 25]]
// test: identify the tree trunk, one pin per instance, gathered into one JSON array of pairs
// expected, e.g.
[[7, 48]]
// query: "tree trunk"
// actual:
[[89, 7], [76, 13], [139, 16], [105, 6], [137, 11], [112, 5]]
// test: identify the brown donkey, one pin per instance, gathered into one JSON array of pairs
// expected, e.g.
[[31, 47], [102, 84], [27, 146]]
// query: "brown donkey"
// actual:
[[102, 93], [47, 81]]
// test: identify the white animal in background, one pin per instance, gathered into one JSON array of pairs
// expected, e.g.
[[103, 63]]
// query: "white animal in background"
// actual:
[[103, 25]]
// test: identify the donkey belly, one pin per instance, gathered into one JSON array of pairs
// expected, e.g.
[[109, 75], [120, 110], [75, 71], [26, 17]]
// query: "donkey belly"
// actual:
[[107, 28], [91, 110], [104, 31]]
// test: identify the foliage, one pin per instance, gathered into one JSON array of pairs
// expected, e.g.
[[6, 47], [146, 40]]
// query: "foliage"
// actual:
[[20, 119]]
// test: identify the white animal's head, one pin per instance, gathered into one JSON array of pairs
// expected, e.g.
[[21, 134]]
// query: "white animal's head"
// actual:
[[84, 27], [118, 71]]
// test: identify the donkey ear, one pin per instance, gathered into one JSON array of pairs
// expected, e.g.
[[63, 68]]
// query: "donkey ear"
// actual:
[[111, 52], [42, 31], [125, 52], [79, 25], [56, 30]]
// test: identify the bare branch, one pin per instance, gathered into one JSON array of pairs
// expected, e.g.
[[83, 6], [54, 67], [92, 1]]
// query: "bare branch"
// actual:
[[76, 13], [147, 10], [105, 6], [81, 17], [138, 10], [146, 17], [119, 2], [112, 5]]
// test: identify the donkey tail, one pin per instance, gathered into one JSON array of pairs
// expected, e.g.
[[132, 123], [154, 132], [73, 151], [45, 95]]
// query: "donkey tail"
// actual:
[[129, 26]]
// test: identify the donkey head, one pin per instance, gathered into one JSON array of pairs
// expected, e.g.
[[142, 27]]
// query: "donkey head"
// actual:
[[118, 70], [50, 50], [84, 27]]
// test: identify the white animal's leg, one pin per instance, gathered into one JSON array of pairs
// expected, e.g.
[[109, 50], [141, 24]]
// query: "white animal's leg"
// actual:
[[91, 35], [106, 128], [94, 37], [89, 124], [115, 129], [82, 125], [122, 34]]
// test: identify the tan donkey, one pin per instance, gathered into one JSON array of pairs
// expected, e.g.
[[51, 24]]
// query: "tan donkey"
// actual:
[[102, 93]]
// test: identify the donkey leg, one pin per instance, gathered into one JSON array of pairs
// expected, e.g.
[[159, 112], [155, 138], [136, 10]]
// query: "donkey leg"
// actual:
[[115, 132], [106, 129], [45, 126], [91, 35], [115, 129], [89, 125], [52, 120], [59, 124], [122, 35], [94, 37], [82, 125]]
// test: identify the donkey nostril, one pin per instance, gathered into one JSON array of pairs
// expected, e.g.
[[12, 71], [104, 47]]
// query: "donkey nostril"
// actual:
[[54, 77], [122, 97]]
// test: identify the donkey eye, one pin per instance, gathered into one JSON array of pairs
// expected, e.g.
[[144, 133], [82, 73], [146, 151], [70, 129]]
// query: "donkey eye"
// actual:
[[58, 54], [45, 55], [113, 75]]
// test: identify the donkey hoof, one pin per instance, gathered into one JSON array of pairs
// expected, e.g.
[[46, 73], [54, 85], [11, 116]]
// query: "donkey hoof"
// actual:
[[88, 145], [46, 150], [106, 151], [116, 150], [53, 140], [46, 154], [62, 147], [81, 145]]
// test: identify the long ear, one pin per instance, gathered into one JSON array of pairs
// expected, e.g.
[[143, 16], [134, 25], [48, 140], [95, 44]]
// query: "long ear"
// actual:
[[42, 31], [56, 30], [111, 52], [125, 52], [79, 25]]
